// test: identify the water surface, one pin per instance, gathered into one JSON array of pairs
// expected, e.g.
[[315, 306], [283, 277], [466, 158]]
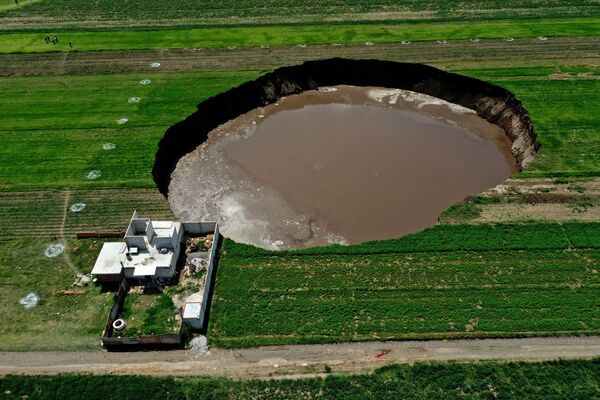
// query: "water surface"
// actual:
[[342, 164]]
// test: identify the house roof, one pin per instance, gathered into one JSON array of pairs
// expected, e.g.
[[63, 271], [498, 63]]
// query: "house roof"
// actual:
[[108, 262]]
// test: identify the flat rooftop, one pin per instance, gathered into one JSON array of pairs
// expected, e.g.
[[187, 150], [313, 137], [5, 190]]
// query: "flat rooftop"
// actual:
[[109, 259]]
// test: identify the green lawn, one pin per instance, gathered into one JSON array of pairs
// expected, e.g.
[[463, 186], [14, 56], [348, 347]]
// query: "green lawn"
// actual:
[[577, 379], [445, 282], [149, 314], [290, 35], [53, 128], [59, 322]]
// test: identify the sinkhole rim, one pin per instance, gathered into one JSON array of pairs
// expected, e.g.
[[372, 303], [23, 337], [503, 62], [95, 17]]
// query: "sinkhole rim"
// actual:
[[493, 103]]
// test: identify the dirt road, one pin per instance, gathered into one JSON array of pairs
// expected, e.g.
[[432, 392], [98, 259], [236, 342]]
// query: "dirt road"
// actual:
[[297, 361]]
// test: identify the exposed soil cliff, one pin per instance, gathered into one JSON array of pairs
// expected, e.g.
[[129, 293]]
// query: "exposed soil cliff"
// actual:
[[491, 102]]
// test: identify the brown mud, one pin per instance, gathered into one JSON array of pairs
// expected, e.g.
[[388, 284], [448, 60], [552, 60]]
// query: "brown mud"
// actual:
[[342, 164], [492, 103]]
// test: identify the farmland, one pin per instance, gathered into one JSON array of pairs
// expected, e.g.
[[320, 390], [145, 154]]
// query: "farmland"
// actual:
[[43, 144], [46, 146], [155, 13], [286, 35], [519, 261], [449, 281], [547, 380]]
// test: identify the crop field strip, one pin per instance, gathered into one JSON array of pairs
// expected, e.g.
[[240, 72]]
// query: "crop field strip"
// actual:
[[448, 281], [110, 209], [580, 52], [51, 146], [576, 379], [105, 210], [290, 35], [148, 13]]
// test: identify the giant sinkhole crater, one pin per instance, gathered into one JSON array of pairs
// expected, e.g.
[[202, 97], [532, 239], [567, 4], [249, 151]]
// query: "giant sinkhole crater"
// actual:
[[341, 151]]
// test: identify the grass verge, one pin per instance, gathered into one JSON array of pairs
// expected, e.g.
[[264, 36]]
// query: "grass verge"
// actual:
[[484, 380]]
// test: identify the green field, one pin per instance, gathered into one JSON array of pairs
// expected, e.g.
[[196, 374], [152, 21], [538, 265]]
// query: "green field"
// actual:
[[54, 127], [448, 281], [60, 105], [484, 380], [60, 321], [291, 35], [102, 13]]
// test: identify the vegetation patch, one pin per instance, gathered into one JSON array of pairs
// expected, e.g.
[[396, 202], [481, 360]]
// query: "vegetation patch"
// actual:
[[484, 380], [148, 314], [293, 35], [67, 317], [445, 282]]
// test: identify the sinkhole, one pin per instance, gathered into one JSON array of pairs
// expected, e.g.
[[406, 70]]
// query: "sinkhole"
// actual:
[[341, 151]]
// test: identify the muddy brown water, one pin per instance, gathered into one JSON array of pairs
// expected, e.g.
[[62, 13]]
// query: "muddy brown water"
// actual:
[[339, 165]]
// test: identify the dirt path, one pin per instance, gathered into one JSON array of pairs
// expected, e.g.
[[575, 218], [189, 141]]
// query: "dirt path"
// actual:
[[455, 54], [297, 361], [62, 233]]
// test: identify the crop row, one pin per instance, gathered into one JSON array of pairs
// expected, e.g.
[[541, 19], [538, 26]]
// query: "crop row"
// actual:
[[104, 210], [484, 237], [155, 12], [334, 274], [360, 295]]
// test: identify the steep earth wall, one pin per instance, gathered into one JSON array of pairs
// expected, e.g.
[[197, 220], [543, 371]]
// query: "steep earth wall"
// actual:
[[491, 102]]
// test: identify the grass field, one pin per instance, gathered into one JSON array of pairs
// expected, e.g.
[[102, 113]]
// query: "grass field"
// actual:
[[59, 321], [484, 380], [291, 35], [149, 314], [103, 13], [53, 128], [449, 281], [60, 105]]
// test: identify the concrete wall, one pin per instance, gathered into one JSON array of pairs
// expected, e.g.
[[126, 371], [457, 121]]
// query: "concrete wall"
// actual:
[[199, 228], [135, 241], [209, 283], [167, 242]]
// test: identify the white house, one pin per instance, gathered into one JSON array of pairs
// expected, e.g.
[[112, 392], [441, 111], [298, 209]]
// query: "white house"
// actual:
[[149, 253]]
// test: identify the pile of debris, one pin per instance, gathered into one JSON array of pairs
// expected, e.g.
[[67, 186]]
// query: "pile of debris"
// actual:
[[199, 243], [197, 250]]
